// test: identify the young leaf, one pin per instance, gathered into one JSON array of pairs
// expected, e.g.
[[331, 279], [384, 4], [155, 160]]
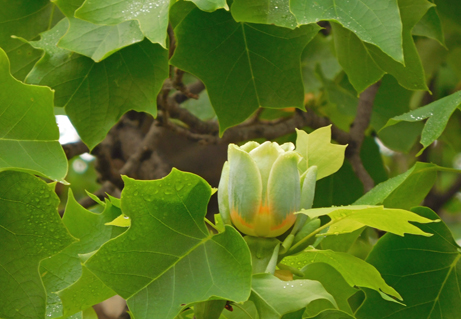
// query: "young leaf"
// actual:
[[405, 190], [377, 23], [91, 231], [316, 149], [28, 131], [95, 41], [346, 219], [247, 66], [167, 258], [273, 297], [30, 231], [355, 271], [424, 270], [96, 95], [438, 114]]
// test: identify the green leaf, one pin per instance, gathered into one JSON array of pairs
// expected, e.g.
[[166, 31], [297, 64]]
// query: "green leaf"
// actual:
[[355, 271], [30, 231], [96, 95], [365, 63], [317, 150], [210, 5], [346, 219], [120, 221], [319, 51], [392, 100], [374, 22], [264, 11], [333, 282], [65, 268], [438, 114], [430, 26], [405, 190], [246, 66], [341, 188], [332, 314], [87, 291], [28, 131], [342, 103], [24, 19], [424, 270], [245, 311], [355, 58], [342, 242], [95, 41], [152, 260], [273, 297], [152, 16]]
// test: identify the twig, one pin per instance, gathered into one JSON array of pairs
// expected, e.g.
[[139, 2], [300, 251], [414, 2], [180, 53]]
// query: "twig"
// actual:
[[144, 151], [75, 149], [179, 85]]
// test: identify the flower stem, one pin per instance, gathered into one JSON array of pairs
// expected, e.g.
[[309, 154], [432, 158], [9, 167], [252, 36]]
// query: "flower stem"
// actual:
[[315, 232]]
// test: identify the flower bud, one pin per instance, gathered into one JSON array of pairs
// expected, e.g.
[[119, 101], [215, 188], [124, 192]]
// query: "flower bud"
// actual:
[[260, 188]]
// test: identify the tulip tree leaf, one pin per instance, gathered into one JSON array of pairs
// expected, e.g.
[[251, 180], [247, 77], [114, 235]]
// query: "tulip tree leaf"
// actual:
[[374, 22], [28, 131], [152, 15], [424, 270], [264, 11], [96, 95], [254, 66], [332, 314], [333, 282], [365, 63], [273, 297], [316, 149], [30, 231], [430, 26], [355, 271], [346, 219], [87, 291], [438, 113], [120, 221], [95, 41], [392, 100], [65, 268], [405, 190], [152, 260], [210, 5], [24, 19]]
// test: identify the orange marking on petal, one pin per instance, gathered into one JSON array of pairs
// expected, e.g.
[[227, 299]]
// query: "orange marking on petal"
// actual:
[[264, 210], [289, 220], [236, 216]]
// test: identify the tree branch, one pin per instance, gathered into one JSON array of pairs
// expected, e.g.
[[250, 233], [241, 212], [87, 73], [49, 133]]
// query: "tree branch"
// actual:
[[75, 149], [357, 135]]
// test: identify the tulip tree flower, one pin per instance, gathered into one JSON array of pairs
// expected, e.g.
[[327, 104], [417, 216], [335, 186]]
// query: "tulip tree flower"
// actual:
[[263, 185]]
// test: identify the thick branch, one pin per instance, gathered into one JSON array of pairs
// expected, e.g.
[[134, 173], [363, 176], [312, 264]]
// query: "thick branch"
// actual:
[[357, 135]]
